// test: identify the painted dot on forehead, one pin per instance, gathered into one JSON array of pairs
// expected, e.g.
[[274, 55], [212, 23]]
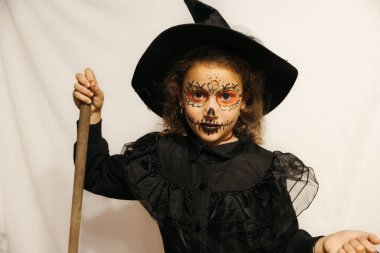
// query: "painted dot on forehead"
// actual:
[[212, 76]]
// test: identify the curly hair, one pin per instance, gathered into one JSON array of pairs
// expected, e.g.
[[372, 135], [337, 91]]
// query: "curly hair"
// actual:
[[251, 117]]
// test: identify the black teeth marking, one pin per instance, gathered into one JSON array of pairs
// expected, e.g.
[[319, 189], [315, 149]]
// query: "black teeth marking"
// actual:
[[208, 126]]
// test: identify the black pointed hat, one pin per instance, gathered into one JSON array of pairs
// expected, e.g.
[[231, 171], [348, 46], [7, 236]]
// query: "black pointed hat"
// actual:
[[210, 29]]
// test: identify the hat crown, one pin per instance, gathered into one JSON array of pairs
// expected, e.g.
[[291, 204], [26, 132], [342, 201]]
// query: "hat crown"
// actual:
[[205, 14]]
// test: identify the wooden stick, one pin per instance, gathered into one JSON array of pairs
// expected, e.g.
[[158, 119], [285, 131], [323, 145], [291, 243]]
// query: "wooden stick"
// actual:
[[80, 166]]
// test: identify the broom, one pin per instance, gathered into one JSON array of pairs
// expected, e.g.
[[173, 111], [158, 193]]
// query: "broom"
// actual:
[[80, 165]]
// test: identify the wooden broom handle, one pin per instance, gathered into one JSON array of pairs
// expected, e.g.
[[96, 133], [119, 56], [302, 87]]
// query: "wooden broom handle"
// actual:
[[80, 166]]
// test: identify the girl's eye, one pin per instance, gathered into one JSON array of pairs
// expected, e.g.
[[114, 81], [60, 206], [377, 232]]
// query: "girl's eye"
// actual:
[[197, 96], [228, 98]]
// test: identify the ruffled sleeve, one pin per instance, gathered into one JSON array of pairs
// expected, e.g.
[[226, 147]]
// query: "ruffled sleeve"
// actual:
[[300, 179], [288, 189]]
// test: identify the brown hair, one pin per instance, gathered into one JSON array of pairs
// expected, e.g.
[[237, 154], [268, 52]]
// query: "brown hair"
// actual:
[[251, 117]]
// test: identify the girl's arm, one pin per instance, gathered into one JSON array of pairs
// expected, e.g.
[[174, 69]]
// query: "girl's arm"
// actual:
[[293, 240], [104, 173]]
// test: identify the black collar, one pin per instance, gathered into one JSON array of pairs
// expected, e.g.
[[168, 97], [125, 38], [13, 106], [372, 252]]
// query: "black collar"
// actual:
[[224, 151]]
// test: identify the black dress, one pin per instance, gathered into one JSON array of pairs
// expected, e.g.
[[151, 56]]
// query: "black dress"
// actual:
[[235, 197]]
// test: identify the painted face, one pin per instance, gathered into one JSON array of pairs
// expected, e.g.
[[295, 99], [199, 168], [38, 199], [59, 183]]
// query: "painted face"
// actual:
[[212, 98]]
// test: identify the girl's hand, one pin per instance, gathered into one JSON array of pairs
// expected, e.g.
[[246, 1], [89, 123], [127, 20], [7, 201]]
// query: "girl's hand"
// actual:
[[87, 90], [348, 241]]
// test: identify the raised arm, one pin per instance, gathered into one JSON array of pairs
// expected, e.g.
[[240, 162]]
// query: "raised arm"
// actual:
[[104, 173]]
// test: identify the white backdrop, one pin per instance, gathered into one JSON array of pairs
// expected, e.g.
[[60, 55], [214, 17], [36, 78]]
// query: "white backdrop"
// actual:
[[331, 119]]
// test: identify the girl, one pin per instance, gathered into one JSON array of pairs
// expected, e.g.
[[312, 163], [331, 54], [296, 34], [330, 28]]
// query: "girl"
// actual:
[[204, 178]]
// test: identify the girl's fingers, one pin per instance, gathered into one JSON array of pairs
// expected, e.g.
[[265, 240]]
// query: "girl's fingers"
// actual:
[[90, 75], [348, 248], [368, 245], [80, 88], [81, 97], [341, 250], [83, 80], [358, 246], [374, 239]]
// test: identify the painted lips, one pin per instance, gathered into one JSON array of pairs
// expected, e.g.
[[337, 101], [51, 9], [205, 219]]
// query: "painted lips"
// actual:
[[209, 127]]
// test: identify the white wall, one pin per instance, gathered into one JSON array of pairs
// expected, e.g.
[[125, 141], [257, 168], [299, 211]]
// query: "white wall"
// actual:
[[331, 119]]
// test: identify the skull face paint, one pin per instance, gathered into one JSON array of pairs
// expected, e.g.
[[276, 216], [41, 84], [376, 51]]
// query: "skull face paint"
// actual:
[[212, 99]]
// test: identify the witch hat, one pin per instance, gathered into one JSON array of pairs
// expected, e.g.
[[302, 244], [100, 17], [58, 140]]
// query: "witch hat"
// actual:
[[210, 29]]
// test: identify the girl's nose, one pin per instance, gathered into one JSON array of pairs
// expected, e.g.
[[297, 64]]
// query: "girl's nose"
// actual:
[[210, 110]]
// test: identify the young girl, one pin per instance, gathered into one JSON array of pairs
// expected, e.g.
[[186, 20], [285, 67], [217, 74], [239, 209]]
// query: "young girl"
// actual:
[[204, 178]]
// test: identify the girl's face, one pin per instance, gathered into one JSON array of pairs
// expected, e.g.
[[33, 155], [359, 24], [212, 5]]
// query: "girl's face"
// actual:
[[212, 98]]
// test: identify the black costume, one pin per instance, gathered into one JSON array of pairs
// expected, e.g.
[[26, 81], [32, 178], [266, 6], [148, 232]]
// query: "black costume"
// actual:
[[230, 198]]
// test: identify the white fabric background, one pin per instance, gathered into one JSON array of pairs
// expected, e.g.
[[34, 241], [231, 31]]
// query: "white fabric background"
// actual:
[[331, 119]]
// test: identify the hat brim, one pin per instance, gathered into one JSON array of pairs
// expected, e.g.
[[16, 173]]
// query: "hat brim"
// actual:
[[165, 49]]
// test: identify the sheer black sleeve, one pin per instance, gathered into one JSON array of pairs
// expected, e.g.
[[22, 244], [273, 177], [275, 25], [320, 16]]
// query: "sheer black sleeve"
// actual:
[[301, 186]]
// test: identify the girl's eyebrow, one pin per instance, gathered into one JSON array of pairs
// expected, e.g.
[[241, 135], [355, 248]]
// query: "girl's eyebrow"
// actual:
[[230, 87], [194, 85]]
